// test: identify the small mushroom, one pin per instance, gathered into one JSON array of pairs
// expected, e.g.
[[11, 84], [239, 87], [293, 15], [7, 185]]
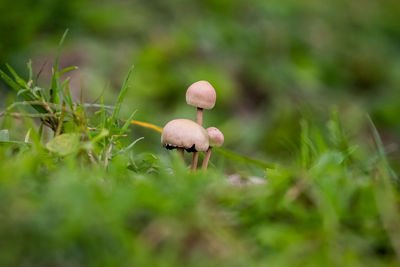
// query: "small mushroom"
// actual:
[[202, 95], [184, 134], [216, 139]]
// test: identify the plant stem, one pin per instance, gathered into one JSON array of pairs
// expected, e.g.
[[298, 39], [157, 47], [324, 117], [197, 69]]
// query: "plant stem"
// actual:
[[147, 125], [60, 120], [200, 116], [181, 152], [196, 154], [206, 158], [194, 161]]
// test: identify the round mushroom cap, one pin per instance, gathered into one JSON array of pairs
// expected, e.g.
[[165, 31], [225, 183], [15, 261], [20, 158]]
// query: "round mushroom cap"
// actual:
[[201, 94], [183, 133], [215, 136]]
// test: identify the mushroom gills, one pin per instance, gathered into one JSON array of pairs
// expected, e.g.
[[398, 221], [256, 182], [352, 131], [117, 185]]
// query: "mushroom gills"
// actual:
[[191, 149]]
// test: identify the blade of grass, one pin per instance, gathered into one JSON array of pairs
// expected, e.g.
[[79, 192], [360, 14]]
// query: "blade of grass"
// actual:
[[7, 79], [101, 135], [320, 143], [127, 123], [55, 77], [243, 159], [129, 147], [122, 94], [40, 131], [60, 120], [62, 72], [30, 70], [103, 119], [386, 201], [337, 132], [90, 105], [29, 96], [381, 150], [40, 72], [14, 142], [65, 93], [305, 153], [17, 78], [103, 113]]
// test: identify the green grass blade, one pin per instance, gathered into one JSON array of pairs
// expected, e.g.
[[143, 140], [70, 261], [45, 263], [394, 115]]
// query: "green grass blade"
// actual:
[[387, 204], [320, 143], [243, 159], [101, 135], [130, 146], [122, 94], [30, 70], [103, 117], [8, 80], [66, 95], [62, 72], [381, 150], [94, 105], [63, 38], [17, 78], [128, 122], [377, 138], [55, 77], [305, 148]]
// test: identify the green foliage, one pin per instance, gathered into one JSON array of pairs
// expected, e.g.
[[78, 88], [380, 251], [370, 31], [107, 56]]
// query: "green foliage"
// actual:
[[84, 198], [59, 211], [271, 62], [74, 132], [64, 144], [79, 186]]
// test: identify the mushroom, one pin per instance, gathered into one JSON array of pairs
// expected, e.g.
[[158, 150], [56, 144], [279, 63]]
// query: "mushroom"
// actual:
[[184, 134], [216, 139], [202, 95]]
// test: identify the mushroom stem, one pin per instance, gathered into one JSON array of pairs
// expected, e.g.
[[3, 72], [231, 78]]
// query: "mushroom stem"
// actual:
[[194, 161], [181, 152], [196, 154], [206, 158], [200, 116]]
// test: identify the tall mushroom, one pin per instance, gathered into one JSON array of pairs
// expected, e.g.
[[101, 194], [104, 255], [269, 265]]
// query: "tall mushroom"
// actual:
[[216, 139], [184, 134], [202, 95]]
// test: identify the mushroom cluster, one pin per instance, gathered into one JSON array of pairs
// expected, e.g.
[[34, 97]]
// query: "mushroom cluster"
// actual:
[[183, 134]]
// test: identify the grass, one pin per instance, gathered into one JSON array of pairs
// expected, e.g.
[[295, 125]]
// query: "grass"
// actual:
[[86, 197]]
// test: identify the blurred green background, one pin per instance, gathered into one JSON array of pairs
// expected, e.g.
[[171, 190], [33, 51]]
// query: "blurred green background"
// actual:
[[271, 62], [284, 71]]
